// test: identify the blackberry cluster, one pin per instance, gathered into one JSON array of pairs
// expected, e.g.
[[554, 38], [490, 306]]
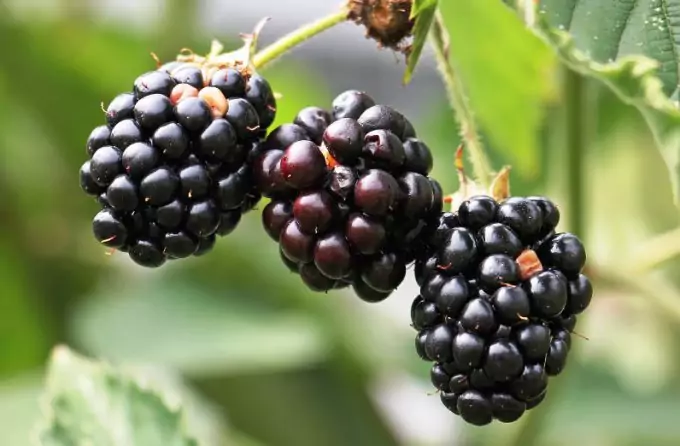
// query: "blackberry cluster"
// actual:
[[350, 195], [170, 167], [499, 297]]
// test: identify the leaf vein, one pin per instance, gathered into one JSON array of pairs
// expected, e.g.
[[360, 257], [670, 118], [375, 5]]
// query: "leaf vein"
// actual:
[[623, 28], [669, 27]]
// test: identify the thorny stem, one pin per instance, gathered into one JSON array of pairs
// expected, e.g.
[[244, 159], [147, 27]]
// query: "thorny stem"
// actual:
[[300, 35], [460, 105]]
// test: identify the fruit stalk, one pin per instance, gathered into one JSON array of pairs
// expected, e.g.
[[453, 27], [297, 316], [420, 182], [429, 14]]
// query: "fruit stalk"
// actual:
[[300, 35], [460, 105]]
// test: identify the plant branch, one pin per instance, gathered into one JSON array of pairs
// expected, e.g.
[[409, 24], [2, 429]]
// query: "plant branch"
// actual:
[[459, 103], [297, 37], [657, 250], [650, 286]]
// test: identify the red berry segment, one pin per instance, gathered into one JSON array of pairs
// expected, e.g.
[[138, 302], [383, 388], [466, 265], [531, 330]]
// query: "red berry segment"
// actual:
[[303, 165], [172, 167], [296, 245], [507, 327], [376, 192], [314, 211], [332, 256], [366, 235], [344, 140], [384, 149]]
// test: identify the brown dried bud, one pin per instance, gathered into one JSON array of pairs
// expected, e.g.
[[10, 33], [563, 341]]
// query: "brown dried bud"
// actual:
[[386, 21]]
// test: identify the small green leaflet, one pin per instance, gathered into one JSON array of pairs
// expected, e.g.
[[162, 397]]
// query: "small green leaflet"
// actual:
[[91, 403], [423, 11]]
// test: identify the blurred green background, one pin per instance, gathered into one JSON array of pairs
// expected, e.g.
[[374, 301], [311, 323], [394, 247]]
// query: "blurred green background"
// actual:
[[272, 363]]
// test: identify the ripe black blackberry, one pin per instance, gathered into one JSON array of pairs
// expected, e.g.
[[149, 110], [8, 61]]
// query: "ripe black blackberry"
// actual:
[[170, 167], [500, 291], [350, 195]]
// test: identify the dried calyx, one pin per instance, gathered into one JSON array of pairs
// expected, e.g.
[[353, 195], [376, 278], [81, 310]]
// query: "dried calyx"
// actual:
[[239, 59], [499, 189], [386, 21]]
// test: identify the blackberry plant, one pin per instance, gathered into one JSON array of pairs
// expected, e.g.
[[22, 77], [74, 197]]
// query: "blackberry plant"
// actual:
[[188, 150], [351, 199]]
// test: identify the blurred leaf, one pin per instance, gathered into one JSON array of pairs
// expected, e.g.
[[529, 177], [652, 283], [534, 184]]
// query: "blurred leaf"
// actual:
[[204, 419], [508, 74], [19, 408], [23, 339], [609, 30], [614, 414], [93, 403], [611, 54], [423, 11], [592, 410], [312, 406], [176, 324]]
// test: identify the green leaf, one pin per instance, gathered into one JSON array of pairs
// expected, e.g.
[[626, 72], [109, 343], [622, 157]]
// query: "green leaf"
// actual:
[[608, 30], [635, 79], [202, 335], [421, 5], [19, 408], [507, 73], [423, 11], [93, 403]]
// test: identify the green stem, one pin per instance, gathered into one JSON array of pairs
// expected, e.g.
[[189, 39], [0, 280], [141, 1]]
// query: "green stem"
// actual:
[[649, 286], [300, 35], [657, 250], [459, 103], [577, 125]]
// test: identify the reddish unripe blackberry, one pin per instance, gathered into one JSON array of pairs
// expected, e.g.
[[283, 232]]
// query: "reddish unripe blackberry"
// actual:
[[361, 203], [303, 165], [171, 167], [499, 295]]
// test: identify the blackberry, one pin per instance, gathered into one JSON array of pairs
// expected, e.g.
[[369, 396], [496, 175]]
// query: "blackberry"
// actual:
[[351, 196], [314, 120], [499, 295], [171, 165]]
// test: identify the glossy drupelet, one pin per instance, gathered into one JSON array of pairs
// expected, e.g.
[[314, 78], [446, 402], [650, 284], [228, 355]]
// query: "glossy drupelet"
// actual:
[[499, 295], [350, 195], [171, 165]]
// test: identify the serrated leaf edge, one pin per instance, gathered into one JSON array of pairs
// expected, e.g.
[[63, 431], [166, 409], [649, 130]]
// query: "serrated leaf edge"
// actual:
[[638, 66], [651, 100]]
